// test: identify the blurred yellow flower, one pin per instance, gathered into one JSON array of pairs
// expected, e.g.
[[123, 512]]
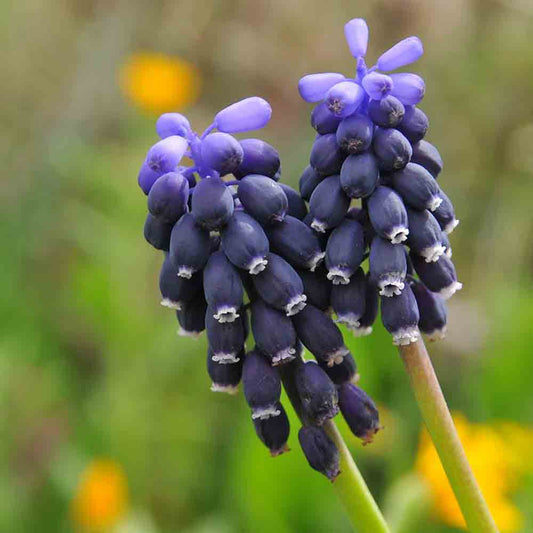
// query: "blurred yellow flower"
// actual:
[[497, 454], [159, 83], [101, 497]]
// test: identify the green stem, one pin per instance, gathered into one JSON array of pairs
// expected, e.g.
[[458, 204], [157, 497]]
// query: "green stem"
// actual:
[[445, 438]]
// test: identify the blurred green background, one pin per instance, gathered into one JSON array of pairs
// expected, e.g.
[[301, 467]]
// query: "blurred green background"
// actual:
[[91, 368]]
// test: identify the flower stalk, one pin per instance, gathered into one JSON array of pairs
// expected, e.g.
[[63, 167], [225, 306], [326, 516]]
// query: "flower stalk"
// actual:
[[442, 430]]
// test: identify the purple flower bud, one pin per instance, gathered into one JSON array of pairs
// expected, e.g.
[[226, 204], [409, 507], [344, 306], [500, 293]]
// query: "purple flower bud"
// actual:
[[387, 112], [295, 242], [320, 335], [417, 187], [428, 156], [345, 251], [297, 207], [414, 124], [309, 179], [226, 339], [244, 242], [212, 203], [222, 152], [222, 287], [408, 88], [165, 155], [354, 134], [359, 175], [317, 392], [344, 98], [388, 215], [400, 316], [314, 87], [280, 286], [348, 301], [439, 277], [401, 54], [432, 311], [191, 317], [445, 214], [359, 411], [274, 431], [320, 451], [326, 156], [392, 149], [371, 310], [246, 115], [274, 333], [147, 177], [328, 204], [316, 287], [377, 85], [356, 33], [388, 266], [225, 378], [425, 235], [323, 120], [259, 157], [263, 198], [262, 386], [157, 232], [341, 373], [168, 197], [176, 291], [190, 246], [169, 124]]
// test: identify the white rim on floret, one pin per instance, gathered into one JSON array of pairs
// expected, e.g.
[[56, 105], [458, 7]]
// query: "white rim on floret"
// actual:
[[336, 357], [225, 314], [295, 305], [350, 320], [186, 272], [186, 333], [265, 412], [434, 203], [284, 356], [391, 284], [225, 358], [398, 234], [451, 226], [319, 226], [450, 290], [339, 276], [257, 265], [432, 253], [436, 334], [315, 261], [405, 336], [228, 389], [361, 331], [167, 302]]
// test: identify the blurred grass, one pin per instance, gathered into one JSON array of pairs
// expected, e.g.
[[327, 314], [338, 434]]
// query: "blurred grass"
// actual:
[[90, 364]]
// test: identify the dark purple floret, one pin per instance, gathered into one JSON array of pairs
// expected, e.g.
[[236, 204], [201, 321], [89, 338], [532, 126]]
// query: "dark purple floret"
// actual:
[[316, 287], [274, 333], [425, 154], [326, 156], [354, 134], [274, 431], [439, 277], [147, 177], [176, 291], [262, 386], [320, 451], [371, 310], [445, 214], [432, 309], [392, 149], [400, 316], [345, 251], [191, 317], [388, 266], [295, 242], [417, 187], [425, 235], [280, 286], [320, 335], [190, 246], [212, 203], [388, 215], [157, 232], [323, 120], [297, 207], [348, 301], [259, 157], [387, 112], [309, 179], [226, 340], [328, 204], [444, 239], [223, 287], [224, 377], [344, 372], [222, 152], [359, 411], [359, 175], [414, 124], [263, 198], [168, 197]]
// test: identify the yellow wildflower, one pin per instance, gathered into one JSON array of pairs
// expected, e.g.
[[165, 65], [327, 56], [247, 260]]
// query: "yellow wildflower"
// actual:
[[101, 497], [496, 454], [158, 83]]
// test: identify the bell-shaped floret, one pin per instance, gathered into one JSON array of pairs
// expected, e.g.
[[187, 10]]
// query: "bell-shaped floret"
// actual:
[[168, 197], [387, 112], [348, 301], [226, 339], [263, 198], [359, 175], [392, 149], [259, 157], [354, 134], [224, 377], [326, 156], [388, 266], [439, 277], [344, 98], [274, 431], [377, 85], [221, 152], [211, 203], [388, 215], [320, 451], [425, 235], [432, 308], [328, 204], [191, 317], [417, 187], [400, 316], [157, 232], [176, 291]]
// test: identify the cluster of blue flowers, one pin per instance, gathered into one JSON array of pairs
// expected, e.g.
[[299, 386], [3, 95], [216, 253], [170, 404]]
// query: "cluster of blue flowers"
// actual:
[[244, 251]]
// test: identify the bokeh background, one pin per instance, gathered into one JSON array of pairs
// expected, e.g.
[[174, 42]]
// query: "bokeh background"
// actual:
[[108, 423]]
